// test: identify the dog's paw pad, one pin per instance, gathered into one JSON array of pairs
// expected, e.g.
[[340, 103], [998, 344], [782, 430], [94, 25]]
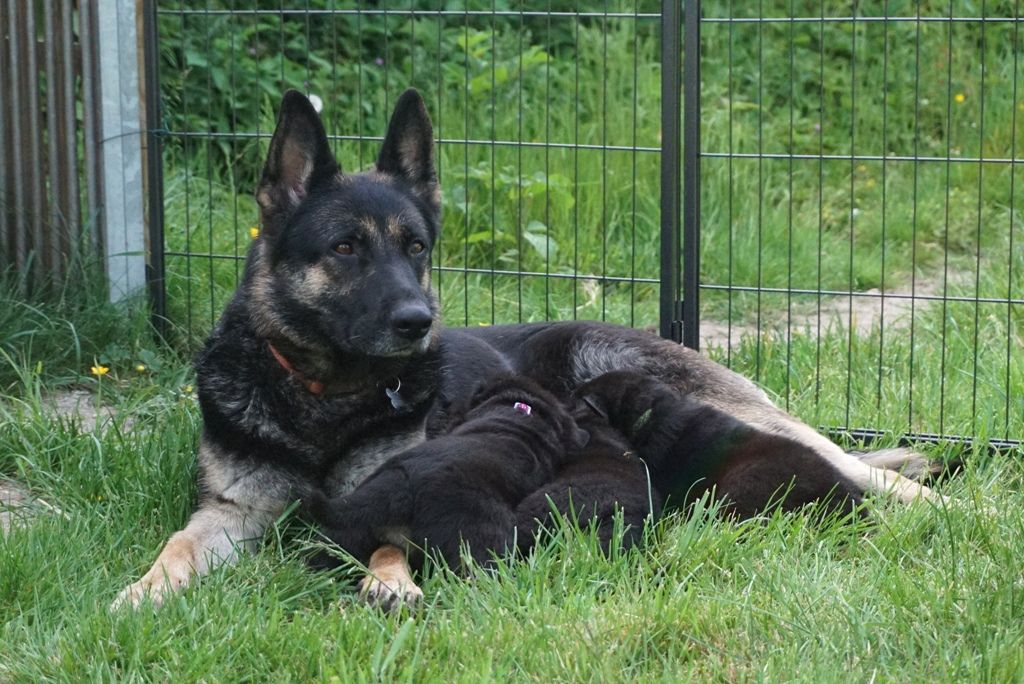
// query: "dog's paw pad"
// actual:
[[390, 594]]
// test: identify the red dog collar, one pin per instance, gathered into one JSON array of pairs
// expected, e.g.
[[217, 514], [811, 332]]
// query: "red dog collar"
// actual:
[[314, 386]]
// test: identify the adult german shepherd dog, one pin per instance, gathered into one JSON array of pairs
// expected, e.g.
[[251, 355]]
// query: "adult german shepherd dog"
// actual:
[[331, 357]]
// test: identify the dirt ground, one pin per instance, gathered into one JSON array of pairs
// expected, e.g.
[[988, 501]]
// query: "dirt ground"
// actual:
[[866, 316], [18, 506]]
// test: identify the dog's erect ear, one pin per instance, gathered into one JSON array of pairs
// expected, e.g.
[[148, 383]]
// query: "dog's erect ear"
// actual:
[[408, 149], [299, 159]]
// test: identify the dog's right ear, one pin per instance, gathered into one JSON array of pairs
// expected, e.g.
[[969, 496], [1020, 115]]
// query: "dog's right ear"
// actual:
[[298, 160], [407, 152]]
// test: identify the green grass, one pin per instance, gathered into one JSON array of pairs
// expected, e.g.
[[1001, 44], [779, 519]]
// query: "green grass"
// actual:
[[921, 594], [58, 334], [954, 369]]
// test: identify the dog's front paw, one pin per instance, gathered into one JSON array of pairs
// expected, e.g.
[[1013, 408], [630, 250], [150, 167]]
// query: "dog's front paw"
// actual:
[[170, 574], [390, 593], [155, 586]]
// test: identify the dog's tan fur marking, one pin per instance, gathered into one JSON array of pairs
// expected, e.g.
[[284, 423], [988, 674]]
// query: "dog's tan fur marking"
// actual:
[[264, 199], [171, 572], [317, 282], [389, 582], [369, 229], [394, 229]]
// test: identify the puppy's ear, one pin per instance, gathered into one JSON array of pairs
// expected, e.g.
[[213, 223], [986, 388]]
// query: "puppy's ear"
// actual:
[[408, 149], [596, 404], [580, 438], [299, 158]]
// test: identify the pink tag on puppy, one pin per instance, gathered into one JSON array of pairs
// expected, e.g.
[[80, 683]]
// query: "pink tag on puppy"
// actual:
[[522, 408]]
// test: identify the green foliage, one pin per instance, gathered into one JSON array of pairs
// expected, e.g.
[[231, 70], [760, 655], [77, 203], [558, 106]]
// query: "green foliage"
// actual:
[[57, 335]]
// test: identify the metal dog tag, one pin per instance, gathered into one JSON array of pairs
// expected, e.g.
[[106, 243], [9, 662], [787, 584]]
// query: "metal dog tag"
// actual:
[[399, 404]]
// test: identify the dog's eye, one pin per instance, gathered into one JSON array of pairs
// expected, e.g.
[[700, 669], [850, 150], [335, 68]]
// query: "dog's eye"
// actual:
[[417, 247], [344, 248]]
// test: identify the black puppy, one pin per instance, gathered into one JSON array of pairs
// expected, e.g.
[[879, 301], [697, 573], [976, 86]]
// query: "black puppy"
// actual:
[[461, 488], [690, 447], [604, 477]]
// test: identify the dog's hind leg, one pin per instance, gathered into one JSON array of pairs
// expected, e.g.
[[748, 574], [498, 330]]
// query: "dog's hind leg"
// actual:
[[693, 374], [860, 471], [906, 462]]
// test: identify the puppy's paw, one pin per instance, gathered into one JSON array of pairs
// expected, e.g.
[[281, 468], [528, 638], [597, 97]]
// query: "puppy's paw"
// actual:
[[390, 593]]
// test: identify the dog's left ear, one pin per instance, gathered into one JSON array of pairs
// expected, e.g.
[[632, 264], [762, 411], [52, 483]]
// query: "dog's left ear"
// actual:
[[408, 149]]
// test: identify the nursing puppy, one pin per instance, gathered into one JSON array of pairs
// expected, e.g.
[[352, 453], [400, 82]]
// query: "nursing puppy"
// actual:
[[460, 489], [604, 478], [690, 447]]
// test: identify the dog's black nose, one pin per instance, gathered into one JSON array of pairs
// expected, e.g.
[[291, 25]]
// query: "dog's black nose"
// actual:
[[411, 321]]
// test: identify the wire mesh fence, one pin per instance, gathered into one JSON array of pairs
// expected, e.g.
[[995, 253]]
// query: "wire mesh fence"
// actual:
[[854, 192], [861, 227]]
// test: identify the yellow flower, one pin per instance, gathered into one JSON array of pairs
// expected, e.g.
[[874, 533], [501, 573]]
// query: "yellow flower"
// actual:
[[140, 368], [960, 98], [99, 371], [862, 168], [187, 389], [254, 232]]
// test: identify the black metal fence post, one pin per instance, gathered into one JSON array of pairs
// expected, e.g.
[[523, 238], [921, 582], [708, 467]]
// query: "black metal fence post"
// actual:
[[154, 169], [671, 28], [691, 176]]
